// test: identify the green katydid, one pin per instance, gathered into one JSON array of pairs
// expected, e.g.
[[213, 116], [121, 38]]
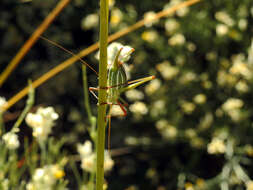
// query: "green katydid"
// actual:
[[116, 82]]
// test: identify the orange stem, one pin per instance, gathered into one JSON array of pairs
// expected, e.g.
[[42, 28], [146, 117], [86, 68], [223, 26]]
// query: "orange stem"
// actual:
[[29, 43]]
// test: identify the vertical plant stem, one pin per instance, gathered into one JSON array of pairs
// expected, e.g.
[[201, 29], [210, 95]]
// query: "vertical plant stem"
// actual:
[[103, 37]]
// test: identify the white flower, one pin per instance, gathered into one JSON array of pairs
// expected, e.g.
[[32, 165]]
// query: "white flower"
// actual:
[[225, 18], [44, 178], [112, 51], [167, 71], [216, 146], [171, 25], [85, 149], [231, 104], [42, 122], [242, 24], [149, 18], [88, 158], [116, 17], [149, 36], [139, 108], [134, 95], [240, 67], [90, 21], [153, 86], [2, 103], [11, 140], [200, 98], [176, 39], [221, 29], [187, 107]]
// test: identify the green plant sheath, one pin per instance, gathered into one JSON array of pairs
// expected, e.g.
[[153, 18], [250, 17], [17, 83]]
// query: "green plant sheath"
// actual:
[[102, 93]]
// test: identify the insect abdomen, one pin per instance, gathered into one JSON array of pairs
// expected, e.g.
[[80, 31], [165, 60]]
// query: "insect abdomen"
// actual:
[[116, 80]]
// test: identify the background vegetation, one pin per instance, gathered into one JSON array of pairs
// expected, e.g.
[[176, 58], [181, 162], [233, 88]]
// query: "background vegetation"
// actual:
[[191, 128]]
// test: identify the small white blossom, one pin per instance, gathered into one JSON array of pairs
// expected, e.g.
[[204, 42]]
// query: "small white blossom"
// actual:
[[242, 24], [177, 40], [45, 178], [200, 98], [85, 149], [116, 17], [139, 108], [221, 29], [153, 86], [187, 107], [11, 140], [149, 36], [134, 95], [90, 21], [167, 71], [171, 25], [216, 146], [88, 158], [225, 18], [232, 103], [112, 51], [42, 122], [149, 18]]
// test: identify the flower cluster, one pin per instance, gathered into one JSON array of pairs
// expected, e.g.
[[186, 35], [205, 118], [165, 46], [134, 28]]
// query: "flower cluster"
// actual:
[[88, 158], [42, 122], [45, 177]]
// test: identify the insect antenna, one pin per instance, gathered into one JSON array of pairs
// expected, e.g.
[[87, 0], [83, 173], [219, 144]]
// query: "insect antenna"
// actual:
[[64, 49]]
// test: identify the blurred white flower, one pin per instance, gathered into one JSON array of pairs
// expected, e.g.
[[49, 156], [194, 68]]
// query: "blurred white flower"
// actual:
[[242, 24], [42, 122], [149, 36], [171, 25], [149, 18], [11, 140], [206, 121], [134, 95], [85, 148], [187, 107], [187, 77], [158, 107], [112, 51], [139, 108], [221, 29], [232, 107], [116, 17], [2, 103], [242, 86], [225, 18], [177, 39], [167, 71], [240, 67], [167, 130], [45, 178], [90, 21], [88, 162], [153, 86], [231, 104], [200, 98], [216, 146]]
